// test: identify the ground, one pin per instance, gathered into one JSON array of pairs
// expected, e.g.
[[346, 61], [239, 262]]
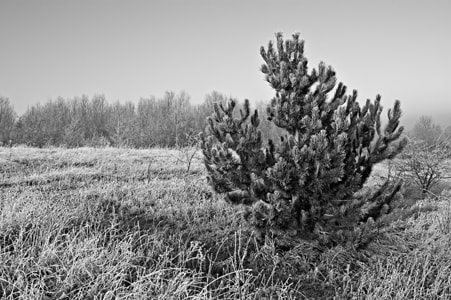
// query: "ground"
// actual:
[[134, 224]]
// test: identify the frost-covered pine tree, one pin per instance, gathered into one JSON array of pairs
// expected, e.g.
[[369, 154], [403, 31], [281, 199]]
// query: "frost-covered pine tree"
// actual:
[[309, 184]]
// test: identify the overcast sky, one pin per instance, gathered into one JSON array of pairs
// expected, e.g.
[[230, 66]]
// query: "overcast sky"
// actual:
[[131, 49]]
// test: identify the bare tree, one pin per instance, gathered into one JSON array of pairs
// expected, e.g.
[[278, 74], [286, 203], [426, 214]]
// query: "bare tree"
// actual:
[[180, 113], [189, 151], [7, 119], [427, 131], [423, 163]]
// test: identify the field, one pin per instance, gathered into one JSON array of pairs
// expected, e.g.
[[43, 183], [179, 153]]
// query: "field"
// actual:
[[112, 223]]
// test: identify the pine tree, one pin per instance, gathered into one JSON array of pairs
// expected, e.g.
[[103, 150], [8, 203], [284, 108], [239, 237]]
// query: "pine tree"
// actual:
[[309, 184]]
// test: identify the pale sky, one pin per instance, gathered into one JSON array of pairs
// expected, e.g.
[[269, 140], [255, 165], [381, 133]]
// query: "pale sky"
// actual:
[[132, 49]]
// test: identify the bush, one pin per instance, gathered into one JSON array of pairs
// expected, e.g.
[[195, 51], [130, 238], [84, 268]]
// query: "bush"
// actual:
[[423, 163], [304, 187]]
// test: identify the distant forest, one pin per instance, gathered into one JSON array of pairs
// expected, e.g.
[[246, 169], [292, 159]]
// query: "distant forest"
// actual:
[[168, 121]]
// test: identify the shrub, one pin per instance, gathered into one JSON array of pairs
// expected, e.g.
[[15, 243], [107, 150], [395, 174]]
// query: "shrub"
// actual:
[[423, 163], [304, 186]]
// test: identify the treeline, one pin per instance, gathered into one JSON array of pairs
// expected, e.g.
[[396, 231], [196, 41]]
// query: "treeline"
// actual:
[[164, 122], [167, 121]]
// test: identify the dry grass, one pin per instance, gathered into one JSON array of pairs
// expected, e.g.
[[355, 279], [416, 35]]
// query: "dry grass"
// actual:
[[132, 224]]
